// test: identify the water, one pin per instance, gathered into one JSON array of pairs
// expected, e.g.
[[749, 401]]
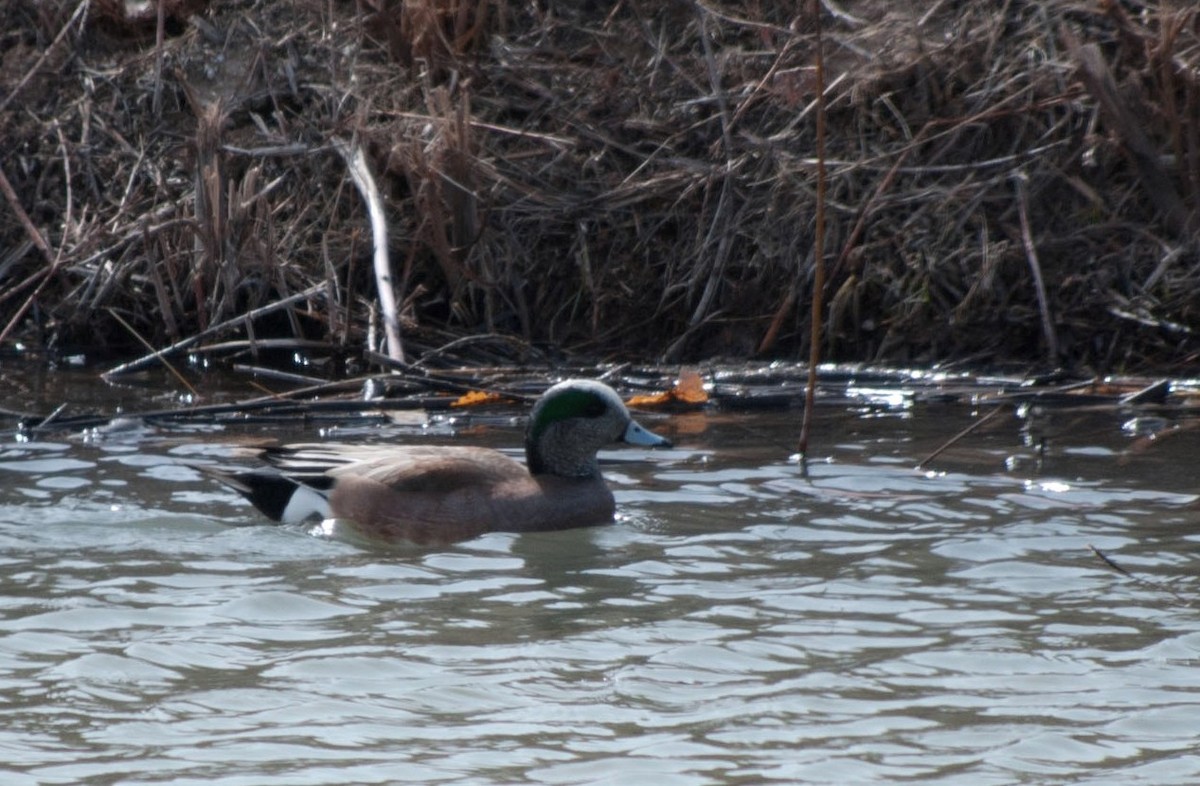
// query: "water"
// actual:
[[738, 624]]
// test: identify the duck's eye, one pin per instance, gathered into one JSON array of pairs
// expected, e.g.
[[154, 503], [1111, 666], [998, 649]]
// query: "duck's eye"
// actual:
[[594, 408]]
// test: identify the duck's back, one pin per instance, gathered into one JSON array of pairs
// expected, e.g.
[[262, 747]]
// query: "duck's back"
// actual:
[[432, 469]]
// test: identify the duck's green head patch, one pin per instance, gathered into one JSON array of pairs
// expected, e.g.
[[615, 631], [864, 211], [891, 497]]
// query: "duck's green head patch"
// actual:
[[564, 405]]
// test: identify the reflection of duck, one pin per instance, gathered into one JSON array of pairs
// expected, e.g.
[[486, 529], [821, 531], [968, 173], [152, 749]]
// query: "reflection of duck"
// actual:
[[430, 494]]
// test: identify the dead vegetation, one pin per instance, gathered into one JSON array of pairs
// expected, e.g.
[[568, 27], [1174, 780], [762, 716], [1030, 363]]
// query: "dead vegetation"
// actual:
[[1011, 181]]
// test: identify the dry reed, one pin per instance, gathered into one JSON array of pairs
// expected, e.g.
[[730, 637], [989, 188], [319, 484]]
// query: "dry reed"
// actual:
[[629, 179]]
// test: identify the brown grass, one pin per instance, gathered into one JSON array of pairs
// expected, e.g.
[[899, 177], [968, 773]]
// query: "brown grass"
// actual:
[[632, 179]]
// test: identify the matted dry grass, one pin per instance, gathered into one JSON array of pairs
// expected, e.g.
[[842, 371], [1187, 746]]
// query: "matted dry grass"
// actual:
[[628, 179]]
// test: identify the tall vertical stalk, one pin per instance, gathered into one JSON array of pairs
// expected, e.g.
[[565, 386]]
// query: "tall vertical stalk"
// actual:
[[816, 306]]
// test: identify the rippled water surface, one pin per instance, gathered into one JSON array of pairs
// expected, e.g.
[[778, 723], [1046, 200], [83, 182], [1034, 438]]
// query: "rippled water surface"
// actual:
[[739, 623]]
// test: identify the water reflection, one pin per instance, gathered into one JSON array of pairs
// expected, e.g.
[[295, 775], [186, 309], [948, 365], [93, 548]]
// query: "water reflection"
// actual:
[[739, 623]]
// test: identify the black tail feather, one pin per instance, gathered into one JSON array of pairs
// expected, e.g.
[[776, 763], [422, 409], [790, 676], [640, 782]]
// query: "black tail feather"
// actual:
[[268, 490]]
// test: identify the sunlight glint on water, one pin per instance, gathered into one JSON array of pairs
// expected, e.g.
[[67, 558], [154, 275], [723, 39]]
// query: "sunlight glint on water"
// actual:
[[739, 623]]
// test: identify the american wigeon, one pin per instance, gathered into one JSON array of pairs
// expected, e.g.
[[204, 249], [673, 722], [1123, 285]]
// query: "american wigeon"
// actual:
[[438, 495]]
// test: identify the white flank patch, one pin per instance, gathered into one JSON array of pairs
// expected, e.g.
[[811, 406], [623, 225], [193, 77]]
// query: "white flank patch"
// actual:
[[304, 503]]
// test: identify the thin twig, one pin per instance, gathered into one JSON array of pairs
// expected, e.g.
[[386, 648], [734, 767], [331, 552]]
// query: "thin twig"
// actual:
[[948, 443], [159, 36], [195, 393], [1159, 187], [718, 227], [249, 316], [360, 173], [79, 9], [57, 257], [1155, 585], [1036, 268], [816, 307], [14, 202]]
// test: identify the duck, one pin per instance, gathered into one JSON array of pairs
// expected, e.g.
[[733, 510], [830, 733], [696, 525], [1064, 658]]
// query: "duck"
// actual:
[[442, 494]]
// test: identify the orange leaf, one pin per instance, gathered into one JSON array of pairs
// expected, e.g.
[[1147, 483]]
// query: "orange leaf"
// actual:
[[475, 398], [690, 388], [650, 399], [688, 392]]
